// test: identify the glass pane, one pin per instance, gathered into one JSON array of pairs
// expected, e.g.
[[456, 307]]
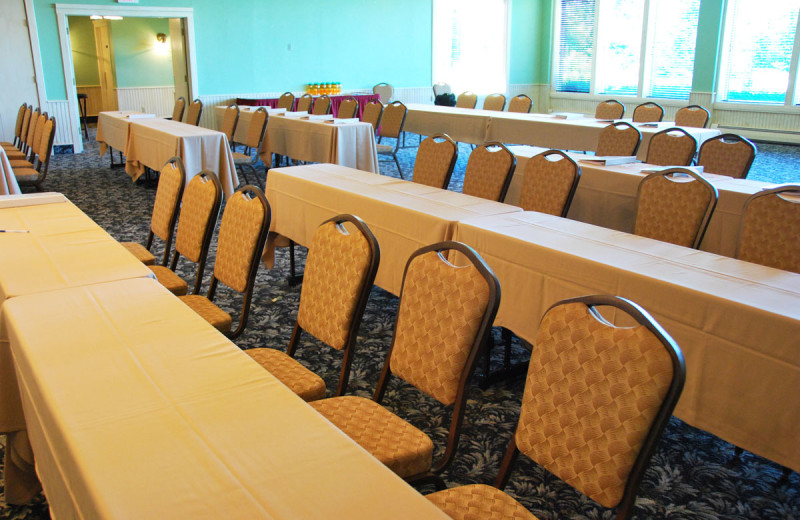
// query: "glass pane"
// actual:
[[619, 46], [672, 38], [573, 49]]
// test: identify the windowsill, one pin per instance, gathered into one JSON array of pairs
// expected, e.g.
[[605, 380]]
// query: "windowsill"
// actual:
[[756, 107], [622, 99]]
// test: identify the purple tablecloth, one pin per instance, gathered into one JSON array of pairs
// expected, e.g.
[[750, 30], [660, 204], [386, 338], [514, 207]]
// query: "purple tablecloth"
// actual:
[[362, 99]]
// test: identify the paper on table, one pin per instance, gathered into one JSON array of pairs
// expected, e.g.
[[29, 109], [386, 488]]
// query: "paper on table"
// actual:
[[567, 115], [610, 160], [140, 116], [345, 121], [320, 117], [30, 199], [276, 110], [296, 114], [696, 169]]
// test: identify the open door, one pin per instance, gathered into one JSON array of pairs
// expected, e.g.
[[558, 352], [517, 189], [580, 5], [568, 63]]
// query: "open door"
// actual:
[[105, 65], [177, 37]]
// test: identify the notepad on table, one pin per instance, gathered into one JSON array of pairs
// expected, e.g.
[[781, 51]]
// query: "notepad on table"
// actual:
[[567, 115], [610, 160], [140, 116]]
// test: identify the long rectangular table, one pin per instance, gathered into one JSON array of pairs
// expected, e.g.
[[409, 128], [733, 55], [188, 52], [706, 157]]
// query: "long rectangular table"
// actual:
[[737, 323], [336, 100], [403, 216], [8, 181], [242, 126], [113, 128], [137, 408]]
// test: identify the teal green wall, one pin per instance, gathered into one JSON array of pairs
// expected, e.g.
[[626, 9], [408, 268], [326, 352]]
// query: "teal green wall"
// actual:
[[709, 38], [137, 61], [523, 57], [84, 53]]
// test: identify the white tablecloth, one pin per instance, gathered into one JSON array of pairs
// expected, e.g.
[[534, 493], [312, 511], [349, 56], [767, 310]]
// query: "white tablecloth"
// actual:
[[8, 182]]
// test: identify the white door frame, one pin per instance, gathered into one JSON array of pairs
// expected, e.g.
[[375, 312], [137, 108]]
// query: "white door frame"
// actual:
[[64, 10]]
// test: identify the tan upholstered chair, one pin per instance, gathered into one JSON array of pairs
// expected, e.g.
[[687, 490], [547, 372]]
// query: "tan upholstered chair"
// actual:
[[673, 208], [768, 232], [394, 117], [648, 113], [340, 269], [322, 106], [444, 318], [727, 154], [202, 199], [618, 139], [385, 91], [286, 101], [521, 104], [41, 149], [466, 100], [436, 158], [348, 108], [549, 183], [177, 110], [240, 243], [489, 171], [441, 88], [252, 142], [495, 102], [29, 120], [596, 401], [35, 129], [609, 109], [373, 111], [671, 147], [17, 130], [692, 115], [304, 103], [194, 112], [165, 212], [229, 122]]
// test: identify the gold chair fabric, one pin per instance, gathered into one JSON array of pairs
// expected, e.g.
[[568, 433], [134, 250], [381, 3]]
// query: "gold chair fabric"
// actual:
[[489, 172], [693, 116], [215, 316], [618, 139], [727, 154], [177, 110], [169, 279], [610, 109], [495, 102], [167, 200], [466, 100], [300, 380], [304, 103], [768, 233], [671, 147], [479, 502], [435, 160], [140, 252], [521, 104], [373, 111], [348, 108], [229, 121], [548, 183], [194, 112], [648, 113], [286, 101], [238, 237], [322, 106]]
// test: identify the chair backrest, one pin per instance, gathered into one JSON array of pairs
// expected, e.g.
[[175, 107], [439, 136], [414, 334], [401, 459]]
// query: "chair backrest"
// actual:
[[648, 113], [489, 170], [768, 231], [671, 147], [521, 104], [229, 121], [348, 108], [177, 111], [240, 243], [286, 101], [495, 102], [32, 121], [441, 88], [373, 111], [394, 117], [23, 131], [597, 398], [466, 100], [692, 115], [194, 112], [385, 91], [43, 148], [255, 132], [435, 160], [609, 109], [619, 139], [304, 103], [169, 193], [18, 125], [340, 269], [202, 199], [674, 209], [322, 105], [38, 132], [549, 183], [727, 154]]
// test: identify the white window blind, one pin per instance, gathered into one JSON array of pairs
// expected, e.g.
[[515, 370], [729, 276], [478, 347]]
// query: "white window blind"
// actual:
[[672, 36], [619, 47], [574, 45]]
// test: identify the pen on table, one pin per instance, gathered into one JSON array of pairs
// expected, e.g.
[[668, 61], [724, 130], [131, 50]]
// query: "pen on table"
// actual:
[[14, 231]]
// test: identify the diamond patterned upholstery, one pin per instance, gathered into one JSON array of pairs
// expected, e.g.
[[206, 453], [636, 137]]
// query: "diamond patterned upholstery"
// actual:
[[194, 112], [322, 105], [177, 110], [197, 214], [768, 234], [521, 104], [348, 108], [618, 139], [304, 103], [218, 318], [300, 380], [237, 240], [286, 101], [648, 112], [435, 161], [489, 172], [466, 100], [693, 116], [610, 109], [671, 147], [229, 121], [394, 115], [140, 252], [479, 502], [496, 102], [547, 184], [727, 154], [372, 114], [167, 277]]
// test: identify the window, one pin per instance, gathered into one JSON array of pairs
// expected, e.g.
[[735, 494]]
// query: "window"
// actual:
[[759, 52], [470, 44], [640, 48]]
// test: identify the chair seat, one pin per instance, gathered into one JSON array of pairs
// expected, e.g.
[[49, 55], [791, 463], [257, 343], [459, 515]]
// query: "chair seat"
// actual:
[[290, 372], [140, 252], [8, 146], [26, 175], [385, 148], [16, 155], [479, 502], [241, 158], [170, 280], [403, 448], [220, 319], [19, 163]]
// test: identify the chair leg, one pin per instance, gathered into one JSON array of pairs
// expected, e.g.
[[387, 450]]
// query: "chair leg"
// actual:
[[509, 370], [394, 155], [294, 278]]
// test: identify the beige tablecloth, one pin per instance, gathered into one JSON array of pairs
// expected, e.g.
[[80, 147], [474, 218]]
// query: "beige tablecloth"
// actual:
[[462, 124], [112, 129], [403, 216], [738, 323], [8, 182], [137, 408], [245, 115], [351, 144], [152, 142]]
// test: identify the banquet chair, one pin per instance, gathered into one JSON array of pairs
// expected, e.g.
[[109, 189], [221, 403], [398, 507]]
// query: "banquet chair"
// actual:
[[322, 106], [609, 109], [286, 101], [384, 91], [436, 158], [521, 104], [597, 399], [17, 129], [489, 172], [441, 88], [304, 103], [671, 147], [42, 148], [674, 209], [648, 113], [768, 231], [229, 122], [26, 133], [620, 139], [692, 115], [194, 112], [339, 272], [444, 319], [466, 100], [727, 154], [240, 242], [549, 182], [201, 201], [26, 160], [165, 212], [252, 141], [373, 111], [348, 108], [394, 117], [177, 111], [496, 102]]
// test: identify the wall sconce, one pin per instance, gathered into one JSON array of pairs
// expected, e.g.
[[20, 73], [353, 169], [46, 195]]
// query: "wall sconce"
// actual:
[[161, 46], [161, 37]]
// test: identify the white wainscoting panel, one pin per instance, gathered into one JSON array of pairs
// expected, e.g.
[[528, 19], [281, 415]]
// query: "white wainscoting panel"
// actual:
[[60, 110], [152, 100]]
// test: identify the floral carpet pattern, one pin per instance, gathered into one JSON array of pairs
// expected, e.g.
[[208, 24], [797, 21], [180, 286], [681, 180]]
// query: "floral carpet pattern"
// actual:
[[693, 475]]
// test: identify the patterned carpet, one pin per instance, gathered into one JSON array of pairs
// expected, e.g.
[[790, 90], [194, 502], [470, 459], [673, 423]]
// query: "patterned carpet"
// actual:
[[693, 475]]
